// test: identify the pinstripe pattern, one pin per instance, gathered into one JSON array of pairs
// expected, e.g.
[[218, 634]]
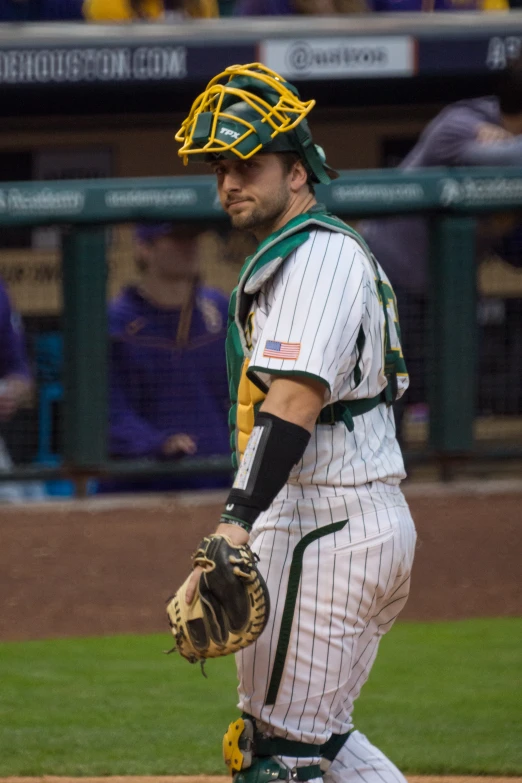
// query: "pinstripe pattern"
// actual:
[[359, 761], [354, 579], [354, 584], [324, 297]]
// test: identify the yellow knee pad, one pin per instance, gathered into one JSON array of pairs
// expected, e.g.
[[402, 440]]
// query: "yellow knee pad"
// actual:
[[237, 745], [254, 758]]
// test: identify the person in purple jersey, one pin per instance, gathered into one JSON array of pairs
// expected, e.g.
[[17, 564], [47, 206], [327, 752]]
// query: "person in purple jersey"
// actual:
[[40, 10], [478, 132], [169, 392], [410, 6], [306, 7], [264, 8], [15, 383], [15, 378]]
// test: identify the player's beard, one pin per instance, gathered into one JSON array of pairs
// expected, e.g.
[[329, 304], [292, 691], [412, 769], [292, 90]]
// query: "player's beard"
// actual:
[[265, 215]]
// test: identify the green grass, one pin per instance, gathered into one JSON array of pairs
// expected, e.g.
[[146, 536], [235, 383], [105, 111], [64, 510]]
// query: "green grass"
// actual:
[[442, 698], [446, 698]]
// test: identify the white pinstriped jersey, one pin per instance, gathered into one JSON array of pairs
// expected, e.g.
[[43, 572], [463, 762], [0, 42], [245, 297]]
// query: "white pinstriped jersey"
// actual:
[[309, 319], [336, 546]]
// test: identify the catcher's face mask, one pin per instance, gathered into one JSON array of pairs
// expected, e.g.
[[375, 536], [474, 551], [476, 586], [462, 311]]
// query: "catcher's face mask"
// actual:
[[249, 109]]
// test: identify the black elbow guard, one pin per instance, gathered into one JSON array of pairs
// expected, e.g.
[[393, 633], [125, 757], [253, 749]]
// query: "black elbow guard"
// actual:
[[274, 447]]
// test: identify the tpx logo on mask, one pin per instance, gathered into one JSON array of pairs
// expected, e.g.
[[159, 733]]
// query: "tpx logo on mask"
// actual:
[[229, 132]]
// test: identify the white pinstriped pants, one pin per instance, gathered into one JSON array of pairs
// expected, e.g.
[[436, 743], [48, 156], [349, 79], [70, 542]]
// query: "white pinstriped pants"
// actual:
[[353, 583]]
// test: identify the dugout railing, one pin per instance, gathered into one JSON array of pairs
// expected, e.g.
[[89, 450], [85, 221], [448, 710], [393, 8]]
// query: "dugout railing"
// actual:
[[451, 199]]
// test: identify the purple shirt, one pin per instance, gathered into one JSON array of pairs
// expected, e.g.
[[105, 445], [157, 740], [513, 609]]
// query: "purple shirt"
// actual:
[[401, 244], [426, 5], [40, 10], [263, 8], [163, 385], [13, 359]]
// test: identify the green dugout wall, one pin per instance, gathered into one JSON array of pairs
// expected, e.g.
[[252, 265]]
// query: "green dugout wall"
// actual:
[[451, 199]]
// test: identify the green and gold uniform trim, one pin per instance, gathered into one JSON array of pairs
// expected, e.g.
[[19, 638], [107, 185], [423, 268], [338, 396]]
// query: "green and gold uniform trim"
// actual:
[[292, 590], [247, 392], [253, 370]]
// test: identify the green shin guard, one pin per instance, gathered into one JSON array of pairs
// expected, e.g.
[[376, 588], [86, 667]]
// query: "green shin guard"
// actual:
[[262, 770], [265, 769], [254, 758]]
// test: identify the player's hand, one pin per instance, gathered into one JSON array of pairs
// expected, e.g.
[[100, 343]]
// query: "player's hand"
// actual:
[[236, 534], [8, 405], [12, 394], [492, 134], [179, 444]]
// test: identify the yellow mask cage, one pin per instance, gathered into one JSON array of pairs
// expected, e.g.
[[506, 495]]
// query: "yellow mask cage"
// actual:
[[282, 117]]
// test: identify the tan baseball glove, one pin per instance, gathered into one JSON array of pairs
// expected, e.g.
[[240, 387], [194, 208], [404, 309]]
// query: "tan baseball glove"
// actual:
[[230, 607]]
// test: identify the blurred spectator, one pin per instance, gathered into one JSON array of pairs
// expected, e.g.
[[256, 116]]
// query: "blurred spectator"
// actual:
[[15, 385], [122, 10], [308, 7], [129, 10], [196, 9], [264, 8], [40, 10], [479, 132], [169, 391], [440, 5]]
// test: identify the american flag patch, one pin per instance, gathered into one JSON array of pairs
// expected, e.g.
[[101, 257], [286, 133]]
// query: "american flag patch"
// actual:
[[276, 350]]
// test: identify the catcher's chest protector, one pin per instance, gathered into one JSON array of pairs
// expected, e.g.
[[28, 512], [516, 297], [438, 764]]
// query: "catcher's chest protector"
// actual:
[[246, 397]]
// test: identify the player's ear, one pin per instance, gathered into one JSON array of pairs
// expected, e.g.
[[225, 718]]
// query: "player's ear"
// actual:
[[298, 176]]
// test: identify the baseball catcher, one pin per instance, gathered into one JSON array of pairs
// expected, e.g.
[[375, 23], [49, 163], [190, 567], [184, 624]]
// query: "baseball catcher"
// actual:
[[315, 517]]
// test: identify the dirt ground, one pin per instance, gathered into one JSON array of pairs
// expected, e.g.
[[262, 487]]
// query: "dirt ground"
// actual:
[[104, 566]]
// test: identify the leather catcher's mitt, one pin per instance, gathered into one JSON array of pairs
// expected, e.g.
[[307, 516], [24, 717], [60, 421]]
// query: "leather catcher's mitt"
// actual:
[[230, 607]]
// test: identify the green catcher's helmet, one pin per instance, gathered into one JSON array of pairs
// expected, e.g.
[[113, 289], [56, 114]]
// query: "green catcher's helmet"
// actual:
[[254, 110]]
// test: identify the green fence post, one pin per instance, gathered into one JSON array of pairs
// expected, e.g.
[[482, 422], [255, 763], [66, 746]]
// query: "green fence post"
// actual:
[[85, 347], [452, 344]]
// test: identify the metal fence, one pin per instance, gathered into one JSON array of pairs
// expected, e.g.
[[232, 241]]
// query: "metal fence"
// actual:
[[470, 403]]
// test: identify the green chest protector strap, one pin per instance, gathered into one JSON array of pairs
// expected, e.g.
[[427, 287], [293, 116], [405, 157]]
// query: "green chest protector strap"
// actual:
[[345, 410]]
